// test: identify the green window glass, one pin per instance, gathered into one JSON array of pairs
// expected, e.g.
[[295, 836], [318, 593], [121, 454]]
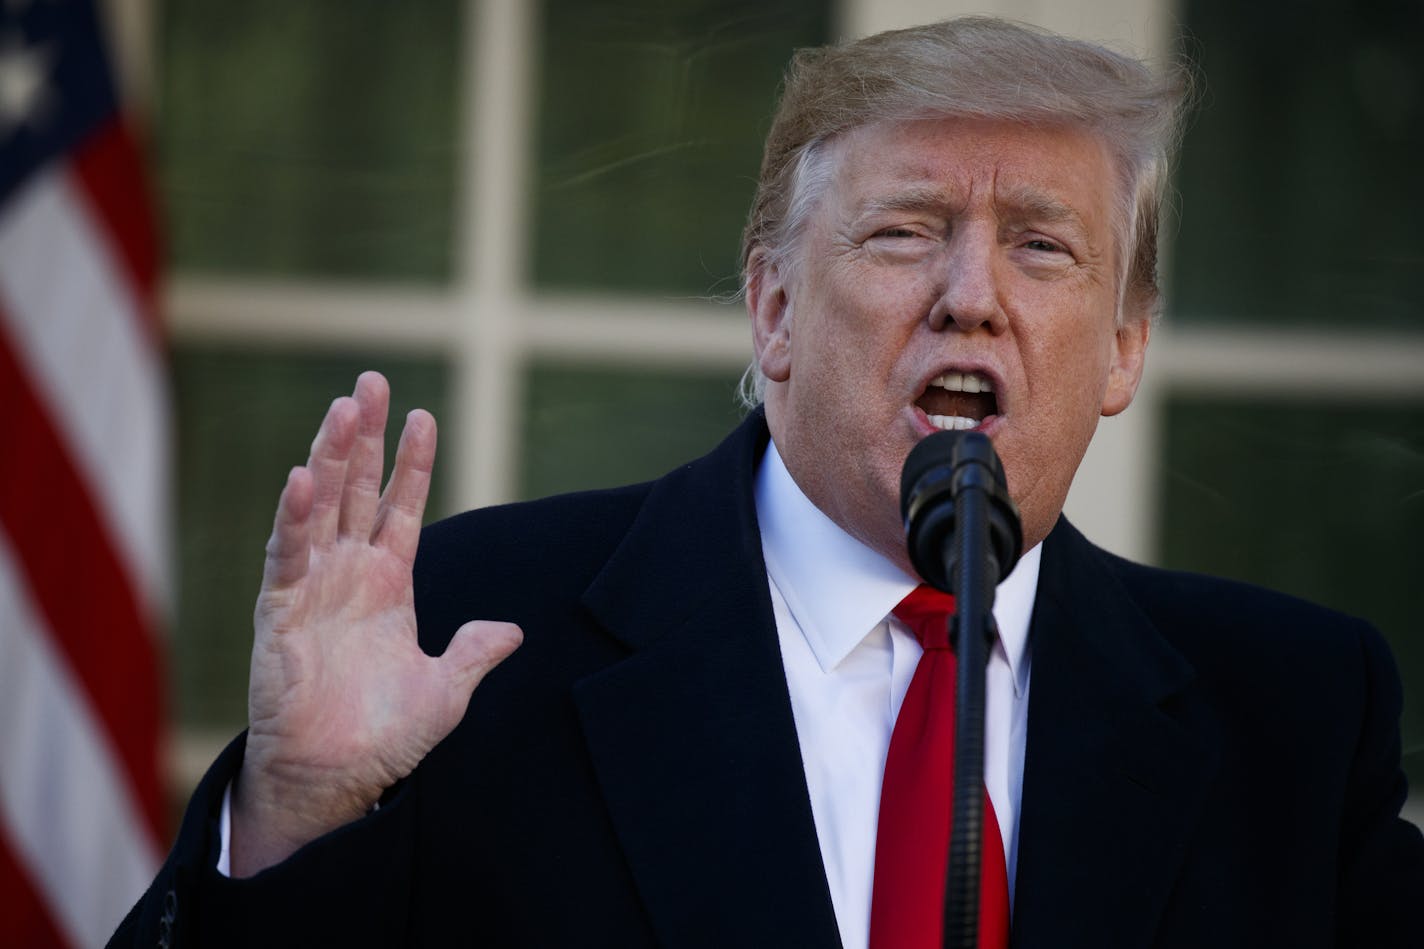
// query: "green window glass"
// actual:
[[651, 118], [312, 139], [1300, 172], [587, 427]]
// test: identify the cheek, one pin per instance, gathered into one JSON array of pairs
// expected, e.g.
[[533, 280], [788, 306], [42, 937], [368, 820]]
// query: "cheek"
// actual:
[[1067, 375], [1075, 340], [854, 336]]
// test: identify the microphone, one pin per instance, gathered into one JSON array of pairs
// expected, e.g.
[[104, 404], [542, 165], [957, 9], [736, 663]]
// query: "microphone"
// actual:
[[937, 481], [963, 535]]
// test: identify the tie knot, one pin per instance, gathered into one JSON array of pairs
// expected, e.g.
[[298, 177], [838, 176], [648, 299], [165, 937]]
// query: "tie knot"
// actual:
[[926, 611]]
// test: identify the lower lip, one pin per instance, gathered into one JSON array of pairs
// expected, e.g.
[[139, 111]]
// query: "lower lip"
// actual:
[[989, 426]]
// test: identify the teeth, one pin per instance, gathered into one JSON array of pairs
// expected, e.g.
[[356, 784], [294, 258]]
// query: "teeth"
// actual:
[[952, 423], [963, 382]]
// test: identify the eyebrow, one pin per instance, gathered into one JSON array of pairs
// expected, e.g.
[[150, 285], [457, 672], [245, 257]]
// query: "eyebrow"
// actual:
[[910, 199], [1029, 204], [1020, 205]]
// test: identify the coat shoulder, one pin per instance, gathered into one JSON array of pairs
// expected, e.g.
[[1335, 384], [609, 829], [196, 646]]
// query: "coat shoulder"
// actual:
[[1201, 611]]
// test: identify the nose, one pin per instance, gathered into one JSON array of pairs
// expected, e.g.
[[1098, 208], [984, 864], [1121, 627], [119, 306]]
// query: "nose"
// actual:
[[970, 297]]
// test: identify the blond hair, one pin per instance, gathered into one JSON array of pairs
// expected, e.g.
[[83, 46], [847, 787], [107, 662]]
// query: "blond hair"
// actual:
[[971, 67]]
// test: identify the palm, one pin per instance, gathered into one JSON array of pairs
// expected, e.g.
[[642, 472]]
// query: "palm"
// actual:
[[343, 702], [339, 657]]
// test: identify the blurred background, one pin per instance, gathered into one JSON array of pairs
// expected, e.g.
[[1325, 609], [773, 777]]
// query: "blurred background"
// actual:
[[527, 215]]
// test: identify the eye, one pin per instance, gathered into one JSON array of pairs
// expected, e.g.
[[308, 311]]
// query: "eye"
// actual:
[[1045, 246], [905, 242]]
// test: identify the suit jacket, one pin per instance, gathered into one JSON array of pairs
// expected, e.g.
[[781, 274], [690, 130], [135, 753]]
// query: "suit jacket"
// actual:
[[1207, 764]]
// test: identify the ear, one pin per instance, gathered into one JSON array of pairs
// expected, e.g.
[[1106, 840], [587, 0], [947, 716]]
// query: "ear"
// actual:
[[1129, 356], [769, 306]]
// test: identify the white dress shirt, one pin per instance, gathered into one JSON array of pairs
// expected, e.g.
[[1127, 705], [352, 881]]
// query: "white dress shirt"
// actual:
[[848, 666]]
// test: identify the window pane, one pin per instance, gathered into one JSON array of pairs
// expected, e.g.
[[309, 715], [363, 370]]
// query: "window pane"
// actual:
[[1322, 501], [313, 138], [650, 126], [244, 419], [1299, 179], [592, 428]]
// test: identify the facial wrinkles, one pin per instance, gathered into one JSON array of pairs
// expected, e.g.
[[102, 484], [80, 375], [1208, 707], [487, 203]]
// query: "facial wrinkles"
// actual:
[[1018, 207], [865, 327], [1011, 212], [930, 190], [912, 199]]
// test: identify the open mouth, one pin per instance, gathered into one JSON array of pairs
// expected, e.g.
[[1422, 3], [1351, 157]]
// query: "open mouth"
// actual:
[[959, 401]]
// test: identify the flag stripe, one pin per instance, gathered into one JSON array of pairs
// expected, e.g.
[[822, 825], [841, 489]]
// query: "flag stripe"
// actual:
[[79, 334], [78, 583], [108, 170], [64, 801], [27, 920], [84, 493]]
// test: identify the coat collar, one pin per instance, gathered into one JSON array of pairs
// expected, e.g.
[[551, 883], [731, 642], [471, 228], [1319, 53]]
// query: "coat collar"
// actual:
[[692, 736], [1117, 762]]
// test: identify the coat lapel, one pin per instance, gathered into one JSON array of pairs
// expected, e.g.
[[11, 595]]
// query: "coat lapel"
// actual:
[[1118, 757], [692, 735]]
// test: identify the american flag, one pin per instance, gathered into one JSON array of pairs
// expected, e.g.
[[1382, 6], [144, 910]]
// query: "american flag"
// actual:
[[83, 490]]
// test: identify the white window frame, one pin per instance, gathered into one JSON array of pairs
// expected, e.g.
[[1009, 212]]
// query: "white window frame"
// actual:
[[488, 325]]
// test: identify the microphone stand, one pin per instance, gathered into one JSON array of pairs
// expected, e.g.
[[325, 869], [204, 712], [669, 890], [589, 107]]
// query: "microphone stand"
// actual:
[[974, 582], [963, 535]]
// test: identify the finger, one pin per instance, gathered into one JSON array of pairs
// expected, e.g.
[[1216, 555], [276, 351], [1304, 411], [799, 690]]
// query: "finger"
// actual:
[[476, 648], [327, 464], [289, 547], [398, 517], [362, 491]]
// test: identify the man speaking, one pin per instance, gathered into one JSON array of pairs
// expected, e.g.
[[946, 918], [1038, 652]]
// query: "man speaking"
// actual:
[[715, 730]]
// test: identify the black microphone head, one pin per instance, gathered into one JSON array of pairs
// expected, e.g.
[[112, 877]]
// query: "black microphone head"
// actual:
[[936, 469], [975, 447], [934, 452], [927, 505]]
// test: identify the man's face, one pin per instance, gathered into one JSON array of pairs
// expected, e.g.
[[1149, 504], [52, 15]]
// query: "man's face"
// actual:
[[948, 254]]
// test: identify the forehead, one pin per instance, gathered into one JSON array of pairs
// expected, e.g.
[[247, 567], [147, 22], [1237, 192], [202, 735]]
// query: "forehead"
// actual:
[[1041, 170]]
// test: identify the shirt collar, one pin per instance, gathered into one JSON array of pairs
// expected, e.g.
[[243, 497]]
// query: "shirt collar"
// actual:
[[838, 589]]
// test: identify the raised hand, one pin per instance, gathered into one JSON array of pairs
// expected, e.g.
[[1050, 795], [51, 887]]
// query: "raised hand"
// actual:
[[342, 701]]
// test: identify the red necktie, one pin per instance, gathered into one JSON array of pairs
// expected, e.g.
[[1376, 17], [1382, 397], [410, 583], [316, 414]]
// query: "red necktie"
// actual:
[[912, 843]]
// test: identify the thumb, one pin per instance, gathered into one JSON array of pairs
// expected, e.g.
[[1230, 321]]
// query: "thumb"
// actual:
[[476, 648]]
